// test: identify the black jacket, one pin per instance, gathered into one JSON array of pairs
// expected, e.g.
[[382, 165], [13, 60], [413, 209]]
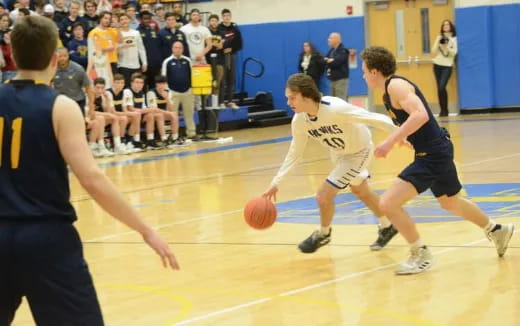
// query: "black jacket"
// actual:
[[338, 69], [232, 37], [316, 66]]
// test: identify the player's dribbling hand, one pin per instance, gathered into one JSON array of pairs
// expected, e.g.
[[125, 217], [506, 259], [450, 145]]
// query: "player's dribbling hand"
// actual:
[[162, 248], [271, 193], [383, 149]]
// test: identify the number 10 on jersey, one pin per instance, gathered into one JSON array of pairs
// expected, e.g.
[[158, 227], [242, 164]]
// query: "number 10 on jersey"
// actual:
[[16, 141]]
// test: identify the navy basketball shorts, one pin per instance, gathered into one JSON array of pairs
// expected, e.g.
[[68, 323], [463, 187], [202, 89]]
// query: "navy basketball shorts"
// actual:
[[350, 169], [434, 170], [43, 261]]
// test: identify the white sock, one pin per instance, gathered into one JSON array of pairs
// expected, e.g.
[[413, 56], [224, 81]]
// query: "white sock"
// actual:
[[417, 244], [175, 136], [92, 145], [117, 141], [384, 222], [490, 226], [149, 136], [101, 144], [325, 230], [137, 137], [164, 137]]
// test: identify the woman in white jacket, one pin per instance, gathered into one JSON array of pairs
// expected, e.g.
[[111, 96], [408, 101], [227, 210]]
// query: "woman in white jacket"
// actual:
[[444, 49]]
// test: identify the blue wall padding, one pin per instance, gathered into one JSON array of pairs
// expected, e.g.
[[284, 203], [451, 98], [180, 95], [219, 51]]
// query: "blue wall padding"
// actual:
[[278, 46], [489, 56]]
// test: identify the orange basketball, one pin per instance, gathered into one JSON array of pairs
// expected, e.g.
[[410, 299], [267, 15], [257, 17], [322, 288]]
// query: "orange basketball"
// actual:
[[260, 213]]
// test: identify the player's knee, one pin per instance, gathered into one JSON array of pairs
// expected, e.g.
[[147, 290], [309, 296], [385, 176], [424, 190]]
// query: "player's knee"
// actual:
[[323, 199], [386, 206], [358, 191], [449, 204]]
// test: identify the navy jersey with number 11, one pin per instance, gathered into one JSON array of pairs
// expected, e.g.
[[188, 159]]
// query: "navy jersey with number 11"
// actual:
[[34, 181]]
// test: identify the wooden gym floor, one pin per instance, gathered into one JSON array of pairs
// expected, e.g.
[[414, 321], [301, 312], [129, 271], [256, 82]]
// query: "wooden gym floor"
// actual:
[[233, 275]]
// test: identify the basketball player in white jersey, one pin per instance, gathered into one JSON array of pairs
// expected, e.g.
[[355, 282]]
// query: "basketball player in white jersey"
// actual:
[[342, 128]]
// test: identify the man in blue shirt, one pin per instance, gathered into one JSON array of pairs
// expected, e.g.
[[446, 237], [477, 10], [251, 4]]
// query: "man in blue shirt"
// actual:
[[152, 44], [177, 70], [169, 35]]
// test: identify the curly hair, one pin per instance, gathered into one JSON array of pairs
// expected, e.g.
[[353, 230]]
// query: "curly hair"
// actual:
[[379, 58]]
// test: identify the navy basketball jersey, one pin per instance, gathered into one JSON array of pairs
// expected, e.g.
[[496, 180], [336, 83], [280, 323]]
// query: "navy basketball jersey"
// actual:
[[117, 99], [161, 101], [34, 182], [424, 136], [139, 99]]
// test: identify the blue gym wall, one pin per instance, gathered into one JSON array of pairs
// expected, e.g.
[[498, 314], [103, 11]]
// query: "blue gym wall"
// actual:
[[278, 46], [489, 56], [488, 64]]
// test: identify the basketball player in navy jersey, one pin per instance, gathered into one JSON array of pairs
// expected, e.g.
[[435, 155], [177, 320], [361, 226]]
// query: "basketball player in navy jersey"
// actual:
[[433, 167], [41, 133]]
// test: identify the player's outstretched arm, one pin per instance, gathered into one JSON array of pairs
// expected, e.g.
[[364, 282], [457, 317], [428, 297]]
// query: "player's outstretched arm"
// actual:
[[69, 129]]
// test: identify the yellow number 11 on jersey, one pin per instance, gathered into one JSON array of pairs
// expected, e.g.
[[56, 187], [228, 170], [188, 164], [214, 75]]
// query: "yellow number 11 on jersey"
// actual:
[[16, 141]]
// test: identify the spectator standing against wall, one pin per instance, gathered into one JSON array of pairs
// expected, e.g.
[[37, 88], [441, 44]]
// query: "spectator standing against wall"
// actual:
[[337, 67], [169, 35], [131, 12], [152, 44], [232, 44], [131, 51], [108, 38], [177, 70], [311, 62], [198, 38], [216, 58], [444, 49]]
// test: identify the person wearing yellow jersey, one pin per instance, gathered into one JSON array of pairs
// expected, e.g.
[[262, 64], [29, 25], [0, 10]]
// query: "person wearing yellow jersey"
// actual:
[[107, 38]]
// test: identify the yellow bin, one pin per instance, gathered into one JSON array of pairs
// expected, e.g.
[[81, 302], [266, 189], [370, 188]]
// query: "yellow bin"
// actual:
[[201, 79]]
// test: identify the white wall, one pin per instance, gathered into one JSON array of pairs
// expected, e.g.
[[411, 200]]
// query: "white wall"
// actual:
[[474, 3], [265, 11]]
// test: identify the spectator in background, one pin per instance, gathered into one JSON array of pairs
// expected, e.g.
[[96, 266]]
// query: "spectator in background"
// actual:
[[108, 38], [5, 23], [232, 44], [9, 69], [22, 12], [169, 35], [66, 24], [90, 18], [153, 24], [337, 67], [179, 14], [2, 9], [104, 5], [48, 11], [216, 58], [198, 38], [60, 11], [78, 47], [444, 49], [131, 52], [311, 62], [99, 66], [160, 16], [152, 44], [177, 70], [22, 4], [131, 12]]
